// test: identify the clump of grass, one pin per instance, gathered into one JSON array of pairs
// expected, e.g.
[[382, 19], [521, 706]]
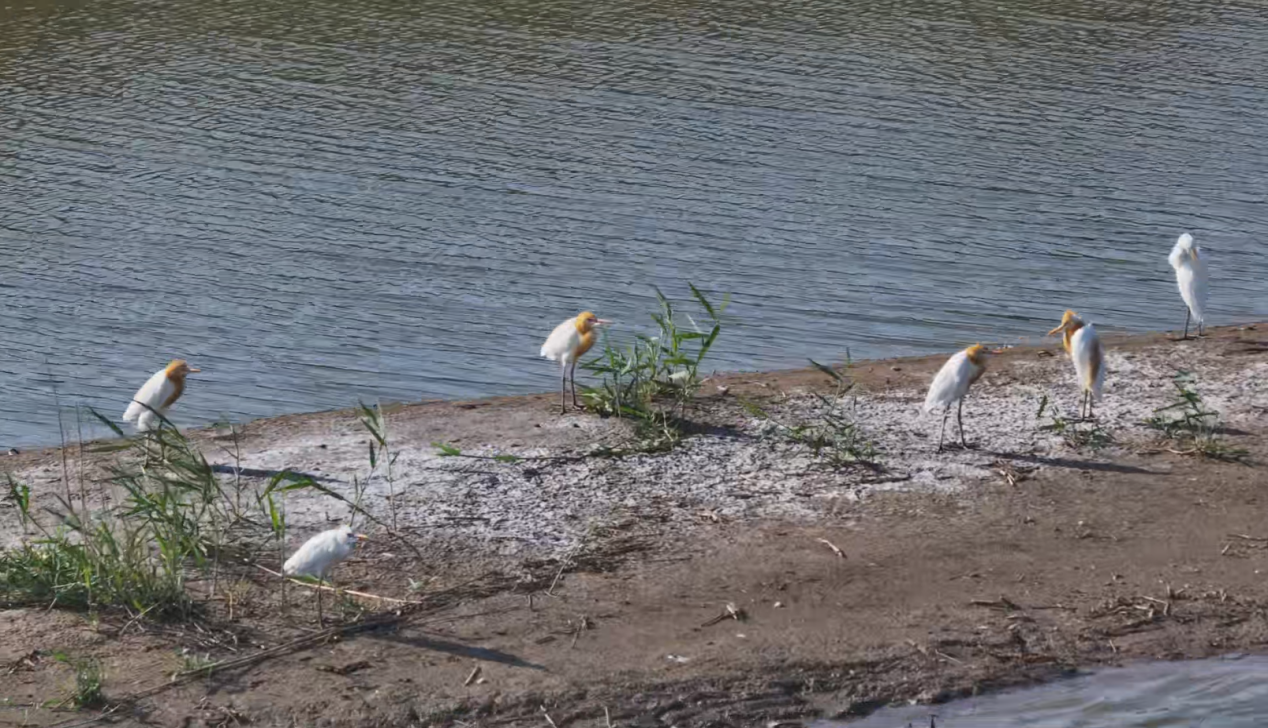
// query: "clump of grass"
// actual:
[[133, 555], [88, 678], [1077, 434], [191, 662], [836, 436], [166, 515], [163, 517], [653, 379], [1191, 424]]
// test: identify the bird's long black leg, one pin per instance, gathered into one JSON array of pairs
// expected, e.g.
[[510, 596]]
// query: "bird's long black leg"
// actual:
[[563, 390], [959, 418], [573, 376], [1187, 313], [943, 431], [1201, 329], [321, 619]]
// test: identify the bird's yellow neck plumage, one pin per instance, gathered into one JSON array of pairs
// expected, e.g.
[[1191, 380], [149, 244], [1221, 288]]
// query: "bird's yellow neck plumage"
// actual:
[[586, 329], [1069, 333], [176, 375], [976, 354]]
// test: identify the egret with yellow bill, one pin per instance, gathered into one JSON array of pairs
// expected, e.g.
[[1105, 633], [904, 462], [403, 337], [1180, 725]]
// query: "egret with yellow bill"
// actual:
[[566, 344], [951, 385], [152, 401], [1084, 347]]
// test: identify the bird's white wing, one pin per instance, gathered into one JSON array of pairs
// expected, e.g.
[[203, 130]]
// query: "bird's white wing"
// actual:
[[153, 393], [1177, 257], [1089, 359], [1194, 287], [951, 382], [562, 341], [318, 554]]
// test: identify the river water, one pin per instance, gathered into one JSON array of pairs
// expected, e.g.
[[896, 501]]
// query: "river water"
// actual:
[[321, 200], [1222, 693]]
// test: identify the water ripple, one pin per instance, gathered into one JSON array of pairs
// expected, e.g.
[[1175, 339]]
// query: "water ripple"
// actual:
[[398, 201]]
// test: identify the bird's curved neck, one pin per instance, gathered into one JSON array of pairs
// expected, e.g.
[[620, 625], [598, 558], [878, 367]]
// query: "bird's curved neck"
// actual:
[[178, 387], [1069, 334]]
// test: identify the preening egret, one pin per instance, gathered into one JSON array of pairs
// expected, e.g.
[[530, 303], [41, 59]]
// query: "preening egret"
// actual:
[[952, 384], [157, 395], [320, 554], [1191, 277], [566, 344], [1084, 347]]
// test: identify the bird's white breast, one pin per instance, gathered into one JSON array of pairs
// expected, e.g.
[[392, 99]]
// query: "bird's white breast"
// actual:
[[952, 381], [319, 554], [562, 341], [156, 390]]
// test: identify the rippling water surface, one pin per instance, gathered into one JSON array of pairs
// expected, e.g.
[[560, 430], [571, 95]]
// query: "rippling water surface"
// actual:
[[322, 201], [1223, 693]]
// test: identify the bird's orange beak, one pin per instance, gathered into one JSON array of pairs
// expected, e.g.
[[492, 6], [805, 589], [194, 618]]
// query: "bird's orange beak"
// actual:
[[361, 537], [1057, 330], [194, 371], [601, 322], [998, 351]]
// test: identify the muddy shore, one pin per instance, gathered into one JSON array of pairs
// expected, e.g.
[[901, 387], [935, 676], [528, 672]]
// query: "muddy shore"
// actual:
[[586, 587]]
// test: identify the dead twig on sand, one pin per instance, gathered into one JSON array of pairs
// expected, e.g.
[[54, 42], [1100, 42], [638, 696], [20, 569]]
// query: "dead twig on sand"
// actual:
[[558, 574], [399, 617], [732, 612], [323, 587], [583, 625], [475, 672], [1002, 603], [945, 656], [547, 717], [835, 549]]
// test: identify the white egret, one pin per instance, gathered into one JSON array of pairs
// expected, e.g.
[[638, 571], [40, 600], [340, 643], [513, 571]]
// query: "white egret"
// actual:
[[1191, 277], [157, 395], [566, 344], [320, 554], [1084, 347], [952, 383]]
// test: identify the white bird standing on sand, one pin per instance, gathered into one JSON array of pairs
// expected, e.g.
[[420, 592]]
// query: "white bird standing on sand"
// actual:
[[1084, 347], [1191, 277], [320, 554], [566, 344], [157, 395], [952, 383]]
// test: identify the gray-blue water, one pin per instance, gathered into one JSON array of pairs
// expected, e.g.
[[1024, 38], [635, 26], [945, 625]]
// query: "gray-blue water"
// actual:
[[328, 200], [1220, 693]]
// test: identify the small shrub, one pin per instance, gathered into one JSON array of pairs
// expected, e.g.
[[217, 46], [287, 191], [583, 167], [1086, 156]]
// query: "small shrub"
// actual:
[[836, 436], [1077, 434], [1192, 424], [653, 379], [88, 678]]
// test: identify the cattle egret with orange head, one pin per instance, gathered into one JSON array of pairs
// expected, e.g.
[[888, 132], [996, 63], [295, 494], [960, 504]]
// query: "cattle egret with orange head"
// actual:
[[1084, 347], [951, 385], [566, 344], [157, 395], [1191, 278]]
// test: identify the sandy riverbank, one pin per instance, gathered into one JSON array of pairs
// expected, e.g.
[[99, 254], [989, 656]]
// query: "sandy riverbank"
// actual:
[[970, 568]]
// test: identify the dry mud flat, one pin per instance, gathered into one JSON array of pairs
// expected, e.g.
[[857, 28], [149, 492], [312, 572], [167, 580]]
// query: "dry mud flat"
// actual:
[[575, 589]]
